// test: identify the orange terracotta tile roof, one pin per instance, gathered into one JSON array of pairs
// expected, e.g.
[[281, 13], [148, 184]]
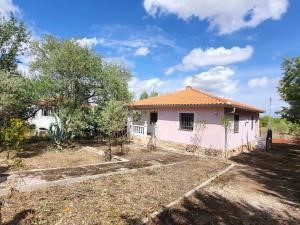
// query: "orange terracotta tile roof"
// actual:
[[190, 97]]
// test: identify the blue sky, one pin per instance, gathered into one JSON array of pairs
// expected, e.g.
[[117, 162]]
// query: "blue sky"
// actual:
[[231, 48]]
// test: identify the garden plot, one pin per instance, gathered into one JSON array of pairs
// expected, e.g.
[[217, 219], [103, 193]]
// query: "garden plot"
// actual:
[[118, 199]]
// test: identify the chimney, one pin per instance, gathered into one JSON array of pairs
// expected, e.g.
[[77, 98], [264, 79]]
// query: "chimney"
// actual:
[[188, 87]]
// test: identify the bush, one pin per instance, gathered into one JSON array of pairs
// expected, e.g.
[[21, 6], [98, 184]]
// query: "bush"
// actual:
[[281, 126], [14, 134]]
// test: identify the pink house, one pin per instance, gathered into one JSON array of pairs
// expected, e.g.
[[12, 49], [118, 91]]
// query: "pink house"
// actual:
[[194, 117]]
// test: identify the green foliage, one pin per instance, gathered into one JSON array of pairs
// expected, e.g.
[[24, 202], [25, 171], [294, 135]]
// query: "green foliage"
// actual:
[[295, 130], [153, 94], [56, 132], [17, 93], [263, 121], [144, 95], [17, 96], [113, 118], [289, 89], [14, 134], [13, 38], [280, 125], [226, 122], [136, 116], [77, 77]]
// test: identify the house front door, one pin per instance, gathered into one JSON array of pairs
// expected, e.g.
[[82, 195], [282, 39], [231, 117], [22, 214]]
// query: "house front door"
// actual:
[[153, 117]]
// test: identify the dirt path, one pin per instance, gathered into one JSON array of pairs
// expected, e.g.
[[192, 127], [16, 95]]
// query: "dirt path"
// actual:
[[264, 188]]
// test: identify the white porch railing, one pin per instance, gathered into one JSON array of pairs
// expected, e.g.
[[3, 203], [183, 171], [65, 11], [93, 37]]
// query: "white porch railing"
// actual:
[[138, 129]]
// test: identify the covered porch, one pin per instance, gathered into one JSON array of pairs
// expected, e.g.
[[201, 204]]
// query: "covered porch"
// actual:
[[142, 122]]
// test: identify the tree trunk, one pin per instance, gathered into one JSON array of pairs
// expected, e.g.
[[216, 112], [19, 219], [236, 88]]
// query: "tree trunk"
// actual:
[[1, 204], [109, 150], [226, 143]]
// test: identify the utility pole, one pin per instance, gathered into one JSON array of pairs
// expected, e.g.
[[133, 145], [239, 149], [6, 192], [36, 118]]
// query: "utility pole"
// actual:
[[270, 114], [269, 132]]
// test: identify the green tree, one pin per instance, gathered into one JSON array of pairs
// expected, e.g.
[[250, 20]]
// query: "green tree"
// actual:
[[144, 95], [13, 39], [153, 94], [226, 123], [14, 134], [289, 89], [17, 96], [112, 120], [264, 120], [76, 78]]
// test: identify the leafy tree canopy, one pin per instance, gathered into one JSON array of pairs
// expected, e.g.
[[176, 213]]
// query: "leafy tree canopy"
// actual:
[[13, 39], [153, 94], [17, 96], [112, 120], [289, 89], [76, 77], [144, 95]]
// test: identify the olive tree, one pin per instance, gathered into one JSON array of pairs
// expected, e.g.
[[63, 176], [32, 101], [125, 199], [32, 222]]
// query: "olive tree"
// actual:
[[77, 78], [112, 121], [13, 39]]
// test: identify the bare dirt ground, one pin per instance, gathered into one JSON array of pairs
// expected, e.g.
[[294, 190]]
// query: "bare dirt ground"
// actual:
[[119, 199], [68, 158], [38, 155], [138, 157], [264, 188]]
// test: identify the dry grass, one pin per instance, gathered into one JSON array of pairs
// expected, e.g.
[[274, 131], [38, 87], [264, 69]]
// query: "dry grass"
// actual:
[[38, 155], [66, 158], [122, 199]]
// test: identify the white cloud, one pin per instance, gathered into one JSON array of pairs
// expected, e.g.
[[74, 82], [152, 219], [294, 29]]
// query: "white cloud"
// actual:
[[142, 51], [258, 82], [224, 16], [211, 56], [138, 47], [122, 61], [128, 41], [137, 86], [89, 42], [216, 80], [7, 7]]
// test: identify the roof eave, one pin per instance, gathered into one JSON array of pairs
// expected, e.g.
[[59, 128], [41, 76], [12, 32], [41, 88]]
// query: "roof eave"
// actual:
[[159, 106]]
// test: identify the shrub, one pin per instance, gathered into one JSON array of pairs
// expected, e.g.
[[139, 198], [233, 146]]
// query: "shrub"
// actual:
[[14, 134]]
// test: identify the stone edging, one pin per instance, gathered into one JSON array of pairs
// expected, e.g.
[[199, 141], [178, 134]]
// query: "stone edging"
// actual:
[[72, 180], [187, 194]]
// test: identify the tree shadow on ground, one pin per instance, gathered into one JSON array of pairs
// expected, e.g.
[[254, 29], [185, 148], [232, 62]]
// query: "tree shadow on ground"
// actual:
[[33, 148], [277, 170], [207, 209], [20, 217], [131, 220]]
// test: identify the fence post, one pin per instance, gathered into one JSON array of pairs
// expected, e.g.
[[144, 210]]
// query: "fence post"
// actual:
[[130, 128], [145, 128]]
